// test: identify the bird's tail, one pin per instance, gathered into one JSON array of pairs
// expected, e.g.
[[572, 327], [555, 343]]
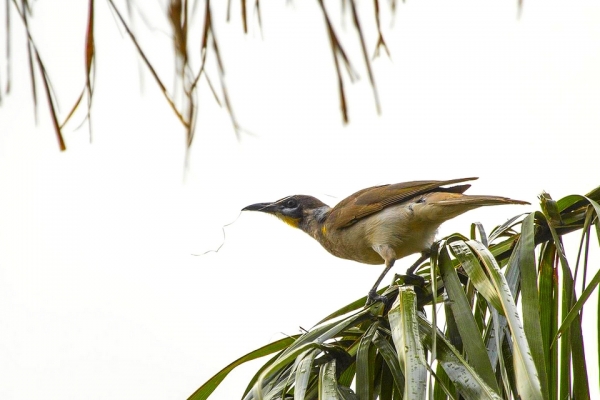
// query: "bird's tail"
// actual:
[[442, 206], [475, 200]]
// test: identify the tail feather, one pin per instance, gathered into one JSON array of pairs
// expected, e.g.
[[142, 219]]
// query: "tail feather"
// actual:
[[477, 201], [442, 206]]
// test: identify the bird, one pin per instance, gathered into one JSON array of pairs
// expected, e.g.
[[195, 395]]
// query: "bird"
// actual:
[[381, 224]]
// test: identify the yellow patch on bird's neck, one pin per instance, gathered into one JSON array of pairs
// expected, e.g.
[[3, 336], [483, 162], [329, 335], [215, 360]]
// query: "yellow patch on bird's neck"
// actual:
[[294, 222]]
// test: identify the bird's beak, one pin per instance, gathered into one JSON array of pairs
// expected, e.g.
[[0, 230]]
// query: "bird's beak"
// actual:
[[264, 207]]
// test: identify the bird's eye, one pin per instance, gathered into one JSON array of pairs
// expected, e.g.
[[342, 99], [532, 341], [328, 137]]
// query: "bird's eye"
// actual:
[[291, 203]]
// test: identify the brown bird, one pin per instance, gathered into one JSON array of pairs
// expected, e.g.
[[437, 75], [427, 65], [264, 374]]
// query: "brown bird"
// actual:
[[381, 224]]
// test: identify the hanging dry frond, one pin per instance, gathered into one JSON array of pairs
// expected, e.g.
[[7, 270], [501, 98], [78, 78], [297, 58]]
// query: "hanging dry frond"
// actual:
[[244, 16], [51, 105], [177, 16], [87, 91], [380, 40], [34, 55], [258, 16], [363, 46], [148, 64], [336, 50], [188, 72]]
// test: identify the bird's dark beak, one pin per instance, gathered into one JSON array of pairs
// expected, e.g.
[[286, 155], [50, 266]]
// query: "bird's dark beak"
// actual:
[[264, 207]]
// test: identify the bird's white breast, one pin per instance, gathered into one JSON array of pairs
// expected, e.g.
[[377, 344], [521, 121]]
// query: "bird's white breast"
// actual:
[[399, 227], [396, 226]]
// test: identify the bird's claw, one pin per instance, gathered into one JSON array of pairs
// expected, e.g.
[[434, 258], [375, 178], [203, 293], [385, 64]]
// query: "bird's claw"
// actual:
[[414, 279], [373, 297]]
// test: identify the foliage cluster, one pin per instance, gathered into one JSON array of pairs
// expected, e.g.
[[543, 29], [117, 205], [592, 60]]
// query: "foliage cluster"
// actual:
[[510, 315]]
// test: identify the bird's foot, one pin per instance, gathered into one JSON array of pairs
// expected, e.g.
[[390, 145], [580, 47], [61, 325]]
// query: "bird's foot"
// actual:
[[374, 297], [414, 279]]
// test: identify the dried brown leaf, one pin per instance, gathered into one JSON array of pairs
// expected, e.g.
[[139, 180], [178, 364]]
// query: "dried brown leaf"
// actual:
[[380, 40], [258, 15], [177, 16], [89, 68], [46, 82], [335, 50], [148, 64], [23, 14], [363, 46], [244, 16], [34, 54]]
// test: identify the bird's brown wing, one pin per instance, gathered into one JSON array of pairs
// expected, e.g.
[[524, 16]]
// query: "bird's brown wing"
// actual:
[[371, 200]]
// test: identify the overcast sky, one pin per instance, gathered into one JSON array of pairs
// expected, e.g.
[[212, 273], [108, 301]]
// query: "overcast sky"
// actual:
[[101, 296]]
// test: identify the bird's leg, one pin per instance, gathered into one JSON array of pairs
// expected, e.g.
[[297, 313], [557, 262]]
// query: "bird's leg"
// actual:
[[410, 272], [389, 255], [373, 296]]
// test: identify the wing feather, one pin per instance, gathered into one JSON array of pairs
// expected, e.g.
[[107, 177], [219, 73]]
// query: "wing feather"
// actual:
[[374, 199]]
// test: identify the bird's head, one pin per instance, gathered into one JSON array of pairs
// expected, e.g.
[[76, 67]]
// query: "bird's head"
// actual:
[[298, 211]]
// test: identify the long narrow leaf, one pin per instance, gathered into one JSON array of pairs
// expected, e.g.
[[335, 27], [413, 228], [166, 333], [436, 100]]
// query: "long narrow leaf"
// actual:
[[391, 358], [495, 335], [443, 386], [526, 372], [500, 230], [386, 383], [325, 331], [205, 390], [364, 364], [355, 305], [476, 274], [497, 320], [574, 312], [405, 333], [303, 374], [469, 332], [328, 387], [524, 255], [581, 386], [329, 330], [564, 364], [279, 365], [468, 382], [548, 291], [257, 374]]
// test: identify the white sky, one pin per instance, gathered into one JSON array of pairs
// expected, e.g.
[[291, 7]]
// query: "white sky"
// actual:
[[100, 297]]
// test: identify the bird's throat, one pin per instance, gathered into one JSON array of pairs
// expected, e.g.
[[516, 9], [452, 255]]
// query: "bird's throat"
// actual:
[[293, 222]]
